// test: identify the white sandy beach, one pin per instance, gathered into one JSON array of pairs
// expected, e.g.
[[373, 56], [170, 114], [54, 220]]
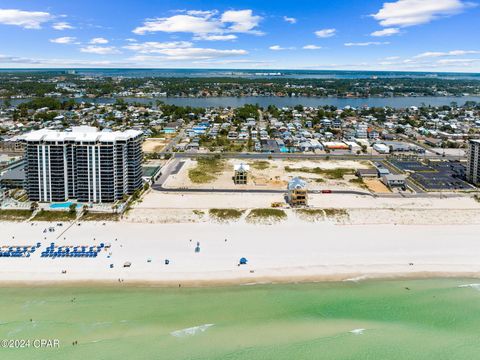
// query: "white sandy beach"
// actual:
[[293, 250]]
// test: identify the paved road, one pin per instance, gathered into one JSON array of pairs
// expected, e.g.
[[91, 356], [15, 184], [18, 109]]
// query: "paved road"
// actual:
[[159, 187], [175, 140], [254, 156], [257, 156]]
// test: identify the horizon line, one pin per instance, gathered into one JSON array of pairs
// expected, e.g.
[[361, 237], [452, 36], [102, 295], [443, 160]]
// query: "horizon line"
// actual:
[[235, 69]]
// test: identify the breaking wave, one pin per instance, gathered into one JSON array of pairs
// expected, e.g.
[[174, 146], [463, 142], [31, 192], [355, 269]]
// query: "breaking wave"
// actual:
[[357, 278], [191, 331], [473, 286], [357, 331]]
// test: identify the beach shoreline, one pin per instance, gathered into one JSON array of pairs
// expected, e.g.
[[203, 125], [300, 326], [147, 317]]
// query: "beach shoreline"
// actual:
[[240, 282]]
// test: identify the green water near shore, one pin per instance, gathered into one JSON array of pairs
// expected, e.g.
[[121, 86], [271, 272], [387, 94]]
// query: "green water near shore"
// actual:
[[403, 319]]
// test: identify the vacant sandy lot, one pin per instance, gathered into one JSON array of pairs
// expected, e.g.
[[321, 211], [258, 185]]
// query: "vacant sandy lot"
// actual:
[[376, 186], [154, 144], [271, 174]]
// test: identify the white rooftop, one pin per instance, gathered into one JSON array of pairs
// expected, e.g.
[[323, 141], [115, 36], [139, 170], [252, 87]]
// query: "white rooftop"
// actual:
[[80, 133], [297, 184], [241, 167]]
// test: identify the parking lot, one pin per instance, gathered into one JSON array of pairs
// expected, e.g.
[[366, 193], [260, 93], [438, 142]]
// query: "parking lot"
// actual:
[[435, 176]]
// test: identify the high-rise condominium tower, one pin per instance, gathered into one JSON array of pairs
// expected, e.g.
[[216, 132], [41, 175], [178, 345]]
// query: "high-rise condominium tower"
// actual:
[[85, 164]]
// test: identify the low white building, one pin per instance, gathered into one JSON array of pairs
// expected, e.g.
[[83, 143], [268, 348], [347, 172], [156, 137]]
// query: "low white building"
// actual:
[[392, 180], [381, 148]]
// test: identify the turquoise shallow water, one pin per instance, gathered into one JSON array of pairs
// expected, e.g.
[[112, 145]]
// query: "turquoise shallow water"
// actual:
[[407, 319]]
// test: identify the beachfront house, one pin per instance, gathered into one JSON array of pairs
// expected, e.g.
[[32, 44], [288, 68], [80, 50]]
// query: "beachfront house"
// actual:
[[240, 176], [297, 192]]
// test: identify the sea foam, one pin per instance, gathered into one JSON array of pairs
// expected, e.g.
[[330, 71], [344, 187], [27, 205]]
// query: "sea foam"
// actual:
[[473, 286], [357, 331], [191, 331], [357, 278]]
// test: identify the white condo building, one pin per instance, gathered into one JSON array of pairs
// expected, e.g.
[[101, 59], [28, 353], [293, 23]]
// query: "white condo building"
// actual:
[[85, 164], [473, 162]]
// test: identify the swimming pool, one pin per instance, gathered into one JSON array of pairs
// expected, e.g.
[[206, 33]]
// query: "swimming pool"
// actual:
[[64, 205]]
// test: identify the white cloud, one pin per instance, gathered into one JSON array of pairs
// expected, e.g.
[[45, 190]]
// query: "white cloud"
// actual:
[[280, 48], [386, 32], [463, 62], [15, 62], [179, 50], [430, 54], [369, 43], [180, 23], [241, 21], [234, 61], [189, 54], [6, 59], [290, 20], [405, 13], [206, 13], [100, 50], [62, 26], [98, 40], [207, 25], [462, 52], [325, 33], [131, 40], [25, 19], [312, 47], [63, 40], [426, 63], [199, 53], [215, 37], [152, 47]]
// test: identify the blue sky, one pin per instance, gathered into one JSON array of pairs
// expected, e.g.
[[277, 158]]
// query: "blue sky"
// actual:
[[412, 35]]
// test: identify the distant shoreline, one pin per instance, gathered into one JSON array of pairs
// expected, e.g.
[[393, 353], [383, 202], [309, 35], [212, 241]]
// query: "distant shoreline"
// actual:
[[273, 72], [265, 101]]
